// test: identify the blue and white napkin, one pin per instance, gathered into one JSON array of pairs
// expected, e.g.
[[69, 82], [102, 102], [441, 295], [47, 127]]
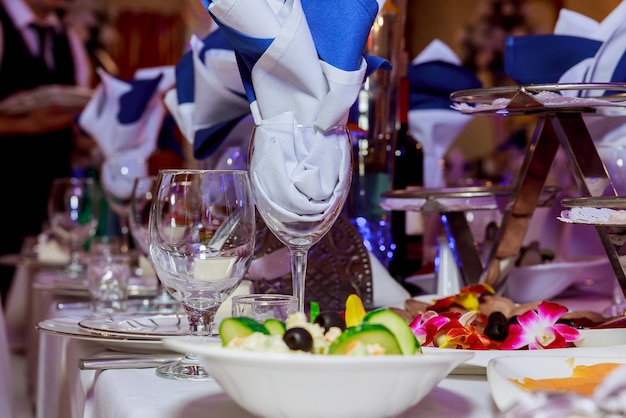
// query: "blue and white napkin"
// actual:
[[208, 100], [433, 75], [125, 118], [301, 62]]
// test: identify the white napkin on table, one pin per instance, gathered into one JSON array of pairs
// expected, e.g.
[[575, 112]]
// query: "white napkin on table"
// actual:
[[125, 118], [300, 62], [431, 120]]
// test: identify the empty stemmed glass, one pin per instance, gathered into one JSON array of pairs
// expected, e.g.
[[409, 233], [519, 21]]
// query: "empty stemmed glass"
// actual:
[[73, 212], [141, 200], [201, 241], [117, 177], [300, 176]]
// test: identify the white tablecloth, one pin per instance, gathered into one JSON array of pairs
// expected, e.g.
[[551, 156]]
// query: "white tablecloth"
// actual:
[[65, 391]]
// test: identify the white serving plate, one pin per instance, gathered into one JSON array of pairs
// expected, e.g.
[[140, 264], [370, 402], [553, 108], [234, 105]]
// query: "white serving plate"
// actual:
[[501, 370], [482, 357]]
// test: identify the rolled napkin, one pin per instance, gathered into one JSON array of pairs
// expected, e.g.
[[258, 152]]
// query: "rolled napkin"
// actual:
[[209, 99], [125, 118], [301, 62], [433, 75]]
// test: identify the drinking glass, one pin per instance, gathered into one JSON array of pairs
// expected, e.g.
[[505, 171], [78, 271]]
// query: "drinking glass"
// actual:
[[141, 199], [117, 177], [201, 241], [300, 177], [73, 216]]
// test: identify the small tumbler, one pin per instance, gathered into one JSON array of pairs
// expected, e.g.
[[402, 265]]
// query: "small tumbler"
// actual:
[[108, 277], [264, 306]]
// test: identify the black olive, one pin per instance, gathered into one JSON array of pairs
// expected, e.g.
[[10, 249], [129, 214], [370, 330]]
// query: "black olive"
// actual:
[[497, 327], [497, 331], [497, 317], [330, 319], [298, 339], [513, 320]]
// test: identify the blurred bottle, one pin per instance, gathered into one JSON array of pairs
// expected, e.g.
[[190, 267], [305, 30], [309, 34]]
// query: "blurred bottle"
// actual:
[[373, 129], [406, 227]]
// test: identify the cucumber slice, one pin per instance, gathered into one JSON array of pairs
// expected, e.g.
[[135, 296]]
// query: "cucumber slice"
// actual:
[[275, 326], [398, 326], [366, 334], [231, 328]]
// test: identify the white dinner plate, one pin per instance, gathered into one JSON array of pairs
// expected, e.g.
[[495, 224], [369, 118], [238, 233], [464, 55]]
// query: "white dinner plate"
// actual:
[[68, 327], [138, 325], [501, 371]]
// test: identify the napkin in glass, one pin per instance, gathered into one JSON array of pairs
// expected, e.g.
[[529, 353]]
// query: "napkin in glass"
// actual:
[[301, 62], [125, 118], [433, 75]]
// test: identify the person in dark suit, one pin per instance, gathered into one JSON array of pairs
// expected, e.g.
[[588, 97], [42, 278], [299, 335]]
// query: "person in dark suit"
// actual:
[[36, 49]]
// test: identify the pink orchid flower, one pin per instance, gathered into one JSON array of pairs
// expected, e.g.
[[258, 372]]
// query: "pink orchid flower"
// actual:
[[539, 330], [425, 326]]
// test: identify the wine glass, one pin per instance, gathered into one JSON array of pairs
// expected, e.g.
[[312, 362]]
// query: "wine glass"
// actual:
[[73, 212], [117, 177], [300, 177], [201, 241], [141, 200]]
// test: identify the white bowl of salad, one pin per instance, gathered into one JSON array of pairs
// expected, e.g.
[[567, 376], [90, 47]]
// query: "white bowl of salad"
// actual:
[[371, 369]]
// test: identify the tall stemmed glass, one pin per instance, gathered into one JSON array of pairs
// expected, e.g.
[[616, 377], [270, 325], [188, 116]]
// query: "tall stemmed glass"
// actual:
[[201, 241], [141, 200], [117, 177], [73, 213], [300, 176]]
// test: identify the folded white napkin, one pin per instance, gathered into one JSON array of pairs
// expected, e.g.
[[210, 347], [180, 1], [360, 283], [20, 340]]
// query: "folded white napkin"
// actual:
[[124, 118], [609, 62], [431, 120], [301, 62]]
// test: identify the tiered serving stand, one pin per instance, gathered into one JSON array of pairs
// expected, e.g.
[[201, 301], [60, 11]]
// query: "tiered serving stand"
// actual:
[[557, 125], [560, 124]]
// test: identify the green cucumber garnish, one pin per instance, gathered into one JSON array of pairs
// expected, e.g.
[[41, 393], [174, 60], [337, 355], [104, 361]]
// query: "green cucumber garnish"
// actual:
[[366, 334], [398, 326], [275, 326], [231, 328]]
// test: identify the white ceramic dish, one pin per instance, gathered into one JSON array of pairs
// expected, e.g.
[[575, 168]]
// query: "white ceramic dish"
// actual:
[[501, 370], [68, 327], [546, 281], [138, 325], [301, 385]]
